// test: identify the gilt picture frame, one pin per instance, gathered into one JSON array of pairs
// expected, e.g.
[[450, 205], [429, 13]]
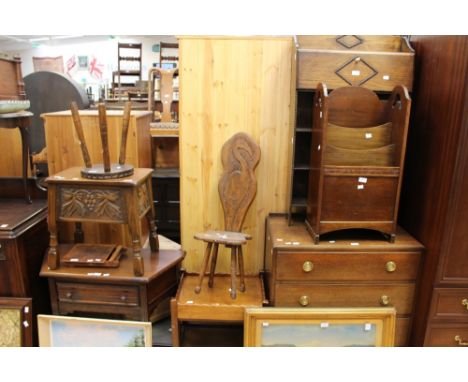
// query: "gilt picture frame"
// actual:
[[65, 331], [319, 327], [15, 322]]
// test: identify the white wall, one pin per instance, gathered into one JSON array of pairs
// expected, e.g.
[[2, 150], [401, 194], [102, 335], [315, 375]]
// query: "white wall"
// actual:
[[104, 48]]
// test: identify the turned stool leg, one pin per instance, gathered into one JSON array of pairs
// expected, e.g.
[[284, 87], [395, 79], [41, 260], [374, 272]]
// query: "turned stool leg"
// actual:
[[233, 272], [214, 258], [204, 266], [241, 268]]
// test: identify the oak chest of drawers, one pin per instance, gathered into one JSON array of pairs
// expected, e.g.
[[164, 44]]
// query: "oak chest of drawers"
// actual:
[[347, 269]]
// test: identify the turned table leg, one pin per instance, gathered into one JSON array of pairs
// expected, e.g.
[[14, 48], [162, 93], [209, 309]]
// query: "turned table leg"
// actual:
[[53, 259], [135, 232], [153, 234], [204, 266]]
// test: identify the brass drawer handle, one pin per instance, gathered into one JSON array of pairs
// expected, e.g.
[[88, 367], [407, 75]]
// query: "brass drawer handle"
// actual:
[[460, 341], [304, 300], [68, 295], [384, 300], [465, 303], [390, 267], [123, 298], [307, 266]]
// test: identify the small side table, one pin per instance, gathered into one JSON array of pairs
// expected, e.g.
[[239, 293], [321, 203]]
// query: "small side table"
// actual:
[[123, 201], [115, 292], [22, 121], [214, 304]]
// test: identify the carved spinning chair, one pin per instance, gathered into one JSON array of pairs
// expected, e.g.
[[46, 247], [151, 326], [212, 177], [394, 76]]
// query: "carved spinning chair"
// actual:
[[237, 188]]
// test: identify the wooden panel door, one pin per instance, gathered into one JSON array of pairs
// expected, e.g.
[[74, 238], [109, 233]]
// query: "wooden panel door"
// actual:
[[229, 85]]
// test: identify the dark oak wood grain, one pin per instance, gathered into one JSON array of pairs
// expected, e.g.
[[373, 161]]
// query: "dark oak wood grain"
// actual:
[[434, 206]]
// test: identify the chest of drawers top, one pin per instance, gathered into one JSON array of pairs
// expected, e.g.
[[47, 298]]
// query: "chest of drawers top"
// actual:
[[295, 238]]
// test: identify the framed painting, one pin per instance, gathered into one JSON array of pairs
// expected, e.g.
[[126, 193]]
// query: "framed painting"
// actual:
[[63, 331], [82, 62], [15, 322], [333, 327]]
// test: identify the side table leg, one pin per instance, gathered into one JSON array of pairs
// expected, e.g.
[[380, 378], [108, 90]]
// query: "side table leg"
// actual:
[[53, 258], [25, 156], [79, 234], [135, 232], [153, 234]]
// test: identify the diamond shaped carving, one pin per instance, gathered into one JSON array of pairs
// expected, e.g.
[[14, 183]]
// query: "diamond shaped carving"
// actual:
[[349, 41], [356, 72]]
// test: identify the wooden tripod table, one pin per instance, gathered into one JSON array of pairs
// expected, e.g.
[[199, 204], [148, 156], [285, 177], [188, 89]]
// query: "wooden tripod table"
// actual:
[[123, 201]]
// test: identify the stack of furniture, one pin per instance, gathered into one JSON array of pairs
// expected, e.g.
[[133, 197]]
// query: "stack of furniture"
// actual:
[[356, 140], [434, 205]]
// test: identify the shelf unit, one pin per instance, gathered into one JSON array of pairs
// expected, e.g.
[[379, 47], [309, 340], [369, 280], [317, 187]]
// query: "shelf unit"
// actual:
[[164, 55], [378, 63], [129, 66]]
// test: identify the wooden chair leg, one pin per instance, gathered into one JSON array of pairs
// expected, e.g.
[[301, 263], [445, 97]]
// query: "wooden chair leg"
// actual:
[[214, 258], [240, 259], [204, 266], [233, 272]]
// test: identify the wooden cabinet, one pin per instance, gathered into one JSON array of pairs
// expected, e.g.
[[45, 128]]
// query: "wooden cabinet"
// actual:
[[348, 269], [434, 205], [23, 242], [378, 63]]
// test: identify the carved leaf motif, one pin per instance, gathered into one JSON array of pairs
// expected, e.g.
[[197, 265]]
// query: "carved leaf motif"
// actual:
[[91, 203]]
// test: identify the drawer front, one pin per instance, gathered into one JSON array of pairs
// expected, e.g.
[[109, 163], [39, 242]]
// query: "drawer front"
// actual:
[[98, 294], [370, 70], [346, 295], [447, 335], [450, 304], [307, 266]]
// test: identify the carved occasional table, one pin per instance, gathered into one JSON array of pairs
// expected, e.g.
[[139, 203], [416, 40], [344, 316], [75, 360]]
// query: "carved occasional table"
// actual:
[[122, 201], [22, 121], [115, 292]]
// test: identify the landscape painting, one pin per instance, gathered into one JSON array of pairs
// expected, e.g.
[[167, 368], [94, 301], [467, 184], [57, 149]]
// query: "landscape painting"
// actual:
[[319, 327], [60, 331], [287, 335]]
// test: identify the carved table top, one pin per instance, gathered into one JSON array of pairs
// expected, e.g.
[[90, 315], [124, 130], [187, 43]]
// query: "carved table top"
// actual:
[[72, 175]]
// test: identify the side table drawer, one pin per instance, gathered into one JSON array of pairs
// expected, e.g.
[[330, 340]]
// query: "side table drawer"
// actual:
[[333, 295], [98, 294], [308, 266], [450, 303], [447, 335]]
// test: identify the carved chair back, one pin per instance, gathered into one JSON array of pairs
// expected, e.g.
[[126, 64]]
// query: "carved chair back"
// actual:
[[238, 186]]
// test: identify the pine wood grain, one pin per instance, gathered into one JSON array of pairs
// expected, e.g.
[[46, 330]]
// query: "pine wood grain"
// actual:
[[228, 86]]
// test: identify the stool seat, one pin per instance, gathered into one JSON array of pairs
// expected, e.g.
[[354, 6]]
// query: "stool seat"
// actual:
[[227, 238]]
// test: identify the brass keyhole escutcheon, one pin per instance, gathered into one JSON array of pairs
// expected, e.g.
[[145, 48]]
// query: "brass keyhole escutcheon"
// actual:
[[390, 267], [384, 300], [460, 341], [465, 303], [304, 300], [307, 266]]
